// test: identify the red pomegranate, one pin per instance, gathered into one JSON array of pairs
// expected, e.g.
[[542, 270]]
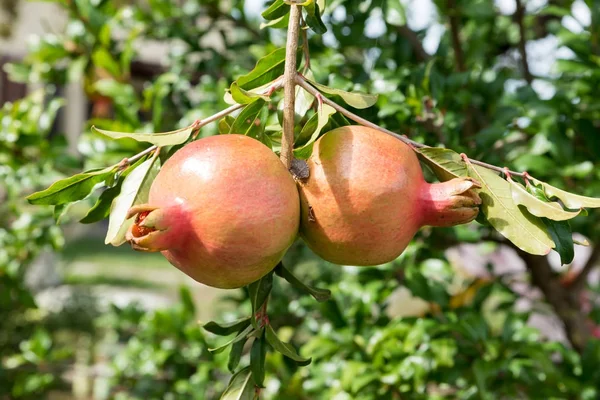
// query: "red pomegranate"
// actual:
[[222, 209], [366, 198]]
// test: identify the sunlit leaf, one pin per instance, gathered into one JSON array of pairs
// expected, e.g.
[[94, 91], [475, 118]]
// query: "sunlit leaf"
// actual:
[[135, 189], [246, 122], [323, 113], [242, 96], [570, 200], [353, 99], [74, 188], [445, 163], [160, 139], [266, 70], [276, 10], [243, 334], [538, 207], [526, 231], [313, 18]]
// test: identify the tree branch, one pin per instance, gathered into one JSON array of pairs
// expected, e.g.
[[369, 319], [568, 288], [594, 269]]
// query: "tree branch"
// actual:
[[289, 87], [455, 36], [519, 17], [415, 42]]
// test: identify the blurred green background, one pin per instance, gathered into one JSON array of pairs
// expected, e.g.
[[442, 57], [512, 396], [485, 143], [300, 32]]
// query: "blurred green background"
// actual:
[[460, 315]]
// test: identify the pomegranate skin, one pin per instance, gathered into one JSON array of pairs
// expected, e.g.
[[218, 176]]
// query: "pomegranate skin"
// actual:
[[224, 210], [366, 197]]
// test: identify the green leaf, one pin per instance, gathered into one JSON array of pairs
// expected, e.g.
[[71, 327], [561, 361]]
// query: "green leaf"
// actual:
[[60, 211], [243, 334], [236, 354], [570, 200], [242, 96], [259, 292], [538, 207], [257, 360], [279, 23], [159, 139], [186, 299], [284, 348], [225, 124], [560, 231], [74, 188], [241, 386], [526, 231], [101, 209], [353, 99], [267, 69], [103, 59], [445, 163], [134, 191], [307, 130], [395, 13], [276, 10], [319, 294], [245, 123], [562, 235], [313, 18], [227, 328], [323, 113]]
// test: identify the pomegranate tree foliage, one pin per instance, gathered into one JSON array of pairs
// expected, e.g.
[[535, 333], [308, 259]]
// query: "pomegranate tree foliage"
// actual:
[[474, 95]]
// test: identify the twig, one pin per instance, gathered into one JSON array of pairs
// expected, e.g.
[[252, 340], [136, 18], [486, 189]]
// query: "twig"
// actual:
[[519, 17], [305, 48], [455, 35], [300, 81], [416, 44], [289, 87]]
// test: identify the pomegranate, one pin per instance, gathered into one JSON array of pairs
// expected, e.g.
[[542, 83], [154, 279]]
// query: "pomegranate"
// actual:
[[366, 197], [222, 209]]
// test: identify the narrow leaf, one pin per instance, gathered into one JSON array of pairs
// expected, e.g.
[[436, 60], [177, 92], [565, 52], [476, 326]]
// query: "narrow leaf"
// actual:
[[235, 354], [134, 191], [242, 96], [243, 334], [284, 348], [257, 360], [276, 10], [259, 291], [324, 112], [245, 123], [538, 207], [445, 163], [160, 139], [570, 200], [279, 23], [319, 294], [560, 231], [313, 18], [267, 69], [101, 209], [227, 328], [71, 189], [353, 99], [526, 231], [225, 124], [241, 386]]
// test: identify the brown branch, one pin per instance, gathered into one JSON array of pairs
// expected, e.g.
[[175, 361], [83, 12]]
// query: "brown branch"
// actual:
[[565, 302], [289, 87], [455, 36], [415, 42], [519, 17], [580, 280]]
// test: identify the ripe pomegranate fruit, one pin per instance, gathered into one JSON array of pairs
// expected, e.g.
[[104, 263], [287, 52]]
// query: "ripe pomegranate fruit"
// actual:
[[222, 209], [366, 197]]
